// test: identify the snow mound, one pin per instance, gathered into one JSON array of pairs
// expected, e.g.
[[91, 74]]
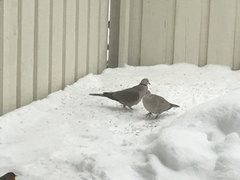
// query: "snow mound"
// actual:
[[71, 135], [203, 143]]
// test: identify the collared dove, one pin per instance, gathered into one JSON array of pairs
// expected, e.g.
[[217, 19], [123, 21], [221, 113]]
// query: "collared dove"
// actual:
[[156, 104], [128, 97]]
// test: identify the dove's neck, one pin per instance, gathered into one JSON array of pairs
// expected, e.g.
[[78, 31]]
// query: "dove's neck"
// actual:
[[143, 88], [143, 84]]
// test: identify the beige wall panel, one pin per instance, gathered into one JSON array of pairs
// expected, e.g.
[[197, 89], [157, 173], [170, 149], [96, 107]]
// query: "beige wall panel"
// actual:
[[42, 58], [204, 32], [27, 52], [103, 32], [187, 32], [236, 60], [221, 32], [82, 38], [1, 57], [93, 51], [57, 46], [154, 32], [76, 40], [114, 33], [135, 30], [10, 55], [171, 17], [70, 42], [124, 32]]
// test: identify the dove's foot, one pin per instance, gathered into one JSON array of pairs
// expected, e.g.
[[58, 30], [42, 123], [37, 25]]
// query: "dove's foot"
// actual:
[[127, 108], [149, 114], [157, 116]]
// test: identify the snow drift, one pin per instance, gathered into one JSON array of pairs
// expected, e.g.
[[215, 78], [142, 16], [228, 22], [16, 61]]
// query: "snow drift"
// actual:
[[71, 135], [203, 143]]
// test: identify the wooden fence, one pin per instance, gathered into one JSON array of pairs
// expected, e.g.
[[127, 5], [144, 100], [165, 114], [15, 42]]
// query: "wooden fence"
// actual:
[[170, 31], [48, 44]]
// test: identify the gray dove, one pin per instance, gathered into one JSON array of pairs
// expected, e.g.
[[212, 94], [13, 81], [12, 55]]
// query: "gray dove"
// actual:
[[128, 97], [156, 104]]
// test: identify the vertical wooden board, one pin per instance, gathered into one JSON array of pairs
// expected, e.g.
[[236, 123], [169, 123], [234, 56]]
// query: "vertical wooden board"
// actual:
[[124, 33], [204, 32], [93, 52], [10, 55], [114, 33], [76, 40], [221, 32], [180, 32], [154, 32], [57, 46], [135, 30], [27, 52], [103, 32], [70, 42], [193, 32], [187, 32], [82, 38], [43, 48], [170, 24], [1, 57], [236, 60]]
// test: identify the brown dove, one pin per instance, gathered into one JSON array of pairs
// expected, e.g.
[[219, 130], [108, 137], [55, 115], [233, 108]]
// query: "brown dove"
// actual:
[[156, 104]]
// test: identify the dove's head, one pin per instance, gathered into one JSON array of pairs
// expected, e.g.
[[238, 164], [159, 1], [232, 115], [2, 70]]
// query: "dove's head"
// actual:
[[144, 82]]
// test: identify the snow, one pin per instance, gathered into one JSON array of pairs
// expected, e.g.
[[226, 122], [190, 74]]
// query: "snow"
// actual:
[[71, 135]]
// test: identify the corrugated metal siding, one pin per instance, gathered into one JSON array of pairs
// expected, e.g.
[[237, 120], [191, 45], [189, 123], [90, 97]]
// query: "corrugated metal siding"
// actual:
[[48, 44], [170, 31]]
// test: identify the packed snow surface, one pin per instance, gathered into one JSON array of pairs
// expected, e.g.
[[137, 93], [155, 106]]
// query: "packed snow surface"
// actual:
[[71, 135]]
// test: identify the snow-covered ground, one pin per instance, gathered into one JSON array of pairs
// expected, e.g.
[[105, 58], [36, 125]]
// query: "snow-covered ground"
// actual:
[[71, 135]]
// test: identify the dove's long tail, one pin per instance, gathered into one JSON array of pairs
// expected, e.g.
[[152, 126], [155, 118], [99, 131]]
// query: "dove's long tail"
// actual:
[[105, 94], [174, 105]]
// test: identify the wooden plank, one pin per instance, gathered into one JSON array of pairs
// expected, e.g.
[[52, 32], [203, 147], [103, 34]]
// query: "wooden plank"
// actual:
[[204, 32], [170, 25], [221, 32], [1, 55], [93, 51], [57, 46], [42, 50], [154, 32], [103, 32], [70, 42], [135, 30], [187, 32], [124, 33], [10, 55], [236, 59], [114, 33], [76, 40], [27, 52], [83, 18]]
